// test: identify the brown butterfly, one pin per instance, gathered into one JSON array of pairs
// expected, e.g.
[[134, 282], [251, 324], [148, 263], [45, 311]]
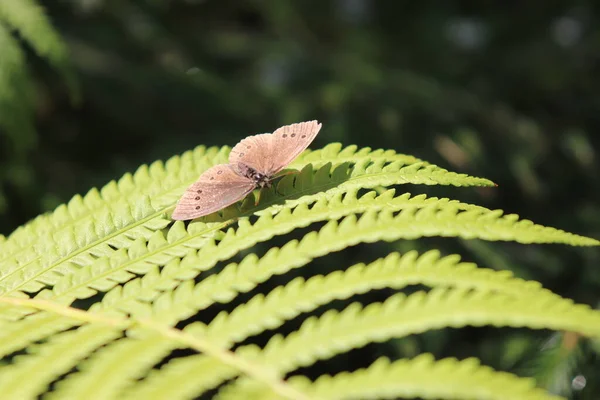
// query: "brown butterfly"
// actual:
[[252, 163]]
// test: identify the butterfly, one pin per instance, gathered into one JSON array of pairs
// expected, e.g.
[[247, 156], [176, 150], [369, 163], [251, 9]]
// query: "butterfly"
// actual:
[[252, 163]]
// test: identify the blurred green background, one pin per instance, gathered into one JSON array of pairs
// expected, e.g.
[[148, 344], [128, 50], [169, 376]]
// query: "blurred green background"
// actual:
[[505, 90]]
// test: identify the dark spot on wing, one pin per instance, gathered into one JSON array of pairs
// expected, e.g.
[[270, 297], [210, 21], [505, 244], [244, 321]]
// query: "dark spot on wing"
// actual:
[[284, 135], [212, 177], [248, 146], [197, 197], [303, 136], [199, 191], [219, 172], [293, 135], [241, 154], [197, 207]]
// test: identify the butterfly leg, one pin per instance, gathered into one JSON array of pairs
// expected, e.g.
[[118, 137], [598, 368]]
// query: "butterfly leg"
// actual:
[[257, 197]]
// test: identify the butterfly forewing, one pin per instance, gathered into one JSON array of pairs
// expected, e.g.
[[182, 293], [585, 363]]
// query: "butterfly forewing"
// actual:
[[254, 151], [291, 140], [216, 188]]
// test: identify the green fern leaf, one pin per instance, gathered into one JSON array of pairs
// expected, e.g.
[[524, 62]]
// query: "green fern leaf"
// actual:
[[334, 237], [62, 352], [98, 208], [401, 315], [145, 346], [172, 381], [119, 242], [422, 377], [300, 296], [334, 152], [420, 217], [125, 211], [62, 252], [164, 184], [18, 335], [179, 242], [66, 252], [141, 354]]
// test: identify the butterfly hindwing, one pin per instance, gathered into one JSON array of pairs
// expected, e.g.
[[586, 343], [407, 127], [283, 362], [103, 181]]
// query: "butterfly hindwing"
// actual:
[[217, 188]]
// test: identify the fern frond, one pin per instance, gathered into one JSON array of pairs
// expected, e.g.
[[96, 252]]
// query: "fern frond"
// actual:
[[182, 171], [164, 185], [107, 363], [371, 227], [300, 296], [16, 335], [179, 241], [116, 227], [420, 217], [78, 233], [329, 180], [149, 342], [61, 252], [62, 352], [400, 315], [29, 19], [173, 380], [65, 253], [97, 214], [160, 247], [333, 237], [142, 353], [334, 153], [422, 377], [101, 243], [24, 321]]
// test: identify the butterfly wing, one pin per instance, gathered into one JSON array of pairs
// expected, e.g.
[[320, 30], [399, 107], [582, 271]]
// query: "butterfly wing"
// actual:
[[291, 140], [216, 188], [254, 151]]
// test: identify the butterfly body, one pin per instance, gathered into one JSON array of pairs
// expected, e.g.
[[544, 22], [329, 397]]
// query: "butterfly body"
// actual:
[[261, 180], [252, 163]]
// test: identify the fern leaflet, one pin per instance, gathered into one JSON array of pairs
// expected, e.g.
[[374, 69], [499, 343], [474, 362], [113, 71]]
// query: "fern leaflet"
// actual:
[[422, 377]]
